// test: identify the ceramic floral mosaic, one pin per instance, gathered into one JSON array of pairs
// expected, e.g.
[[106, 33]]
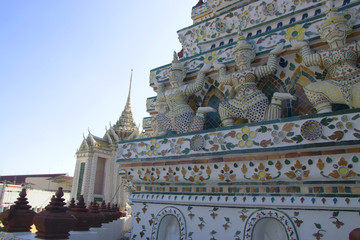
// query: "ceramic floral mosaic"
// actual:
[[257, 137], [293, 178], [300, 169], [198, 39]]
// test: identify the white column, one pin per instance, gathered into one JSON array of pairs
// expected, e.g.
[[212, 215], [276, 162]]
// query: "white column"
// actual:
[[92, 176], [107, 180], [86, 178], [75, 179]]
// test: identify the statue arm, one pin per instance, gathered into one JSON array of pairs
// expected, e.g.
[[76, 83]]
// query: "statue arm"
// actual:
[[197, 85], [309, 58], [269, 69], [160, 93], [223, 77]]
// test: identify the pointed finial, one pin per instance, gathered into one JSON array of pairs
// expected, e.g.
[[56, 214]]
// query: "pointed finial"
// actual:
[[59, 193], [242, 43], [128, 105]]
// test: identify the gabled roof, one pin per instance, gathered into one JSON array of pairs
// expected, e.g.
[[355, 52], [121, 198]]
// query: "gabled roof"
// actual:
[[20, 179], [60, 179]]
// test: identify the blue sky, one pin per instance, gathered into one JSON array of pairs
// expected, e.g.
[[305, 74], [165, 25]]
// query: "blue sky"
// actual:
[[65, 67]]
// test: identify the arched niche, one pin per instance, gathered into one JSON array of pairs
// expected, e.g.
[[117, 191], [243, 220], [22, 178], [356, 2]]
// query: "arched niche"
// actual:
[[269, 228], [169, 224], [269, 224]]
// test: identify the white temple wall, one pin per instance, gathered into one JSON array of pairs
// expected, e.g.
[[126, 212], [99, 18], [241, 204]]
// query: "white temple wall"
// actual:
[[236, 222]]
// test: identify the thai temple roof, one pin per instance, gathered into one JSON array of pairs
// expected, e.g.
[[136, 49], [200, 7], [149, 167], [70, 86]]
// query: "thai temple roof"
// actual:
[[123, 128], [126, 125]]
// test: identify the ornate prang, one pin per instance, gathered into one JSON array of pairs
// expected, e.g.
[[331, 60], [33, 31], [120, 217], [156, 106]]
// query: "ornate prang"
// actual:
[[174, 113], [125, 127], [343, 81], [249, 102], [82, 215], [54, 222], [98, 217], [19, 217]]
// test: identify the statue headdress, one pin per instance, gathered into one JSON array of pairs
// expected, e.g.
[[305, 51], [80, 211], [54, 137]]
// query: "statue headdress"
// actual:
[[242, 43], [176, 64], [333, 16]]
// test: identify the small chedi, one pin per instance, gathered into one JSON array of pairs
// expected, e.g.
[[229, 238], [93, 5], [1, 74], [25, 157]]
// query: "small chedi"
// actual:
[[82, 215], [19, 217], [249, 102], [54, 222], [106, 211], [175, 114], [340, 60], [98, 216]]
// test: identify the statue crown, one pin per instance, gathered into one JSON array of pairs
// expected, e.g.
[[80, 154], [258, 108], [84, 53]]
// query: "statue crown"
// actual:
[[242, 43], [333, 16], [176, 64]]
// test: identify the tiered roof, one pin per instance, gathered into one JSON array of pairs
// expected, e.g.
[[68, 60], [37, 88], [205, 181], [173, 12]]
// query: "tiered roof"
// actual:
[[123, 128]]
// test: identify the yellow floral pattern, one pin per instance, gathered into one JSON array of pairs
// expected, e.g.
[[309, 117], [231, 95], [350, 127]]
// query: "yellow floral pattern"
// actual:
[[261, 173], [152, 148], [295, 33], [245, 137], [210, 57], [343, 170]]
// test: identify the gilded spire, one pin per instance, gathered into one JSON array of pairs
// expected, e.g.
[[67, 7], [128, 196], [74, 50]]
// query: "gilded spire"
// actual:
[[126, 125], [128, 105]]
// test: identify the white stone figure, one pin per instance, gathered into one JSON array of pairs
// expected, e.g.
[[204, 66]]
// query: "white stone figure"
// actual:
[[175, 114], [340, 60], [249, 102]]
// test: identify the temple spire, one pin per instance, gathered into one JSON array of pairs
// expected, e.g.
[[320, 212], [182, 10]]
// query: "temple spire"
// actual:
[[126, 125], [128, 104]]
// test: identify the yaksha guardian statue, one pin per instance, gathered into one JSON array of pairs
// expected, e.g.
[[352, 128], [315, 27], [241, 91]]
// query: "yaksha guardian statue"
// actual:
[[249, 102], [343, 84], [174, 112]]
